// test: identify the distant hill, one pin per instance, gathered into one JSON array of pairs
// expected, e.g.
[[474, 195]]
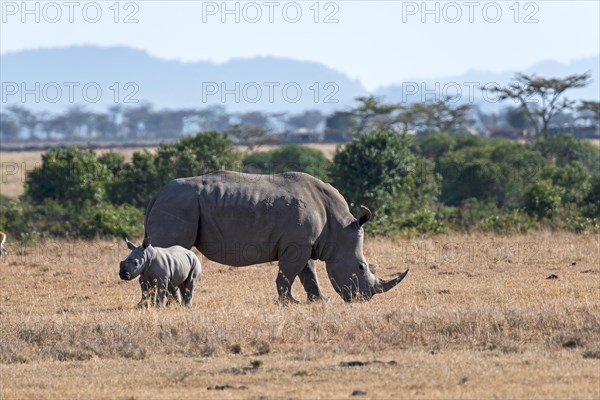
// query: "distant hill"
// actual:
[[468, 83], [262, 83], [99, 77]]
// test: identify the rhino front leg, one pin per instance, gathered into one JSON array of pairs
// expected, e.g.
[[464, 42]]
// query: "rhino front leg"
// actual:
[[284, 285], [308, 278], [162, 289], [291, 263], [145, 301]]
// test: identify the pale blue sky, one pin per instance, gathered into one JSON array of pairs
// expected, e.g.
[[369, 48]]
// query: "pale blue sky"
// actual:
[[378, 42]]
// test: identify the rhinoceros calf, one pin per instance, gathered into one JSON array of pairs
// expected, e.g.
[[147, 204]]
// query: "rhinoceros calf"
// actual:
[[293, 218], [163, 269]]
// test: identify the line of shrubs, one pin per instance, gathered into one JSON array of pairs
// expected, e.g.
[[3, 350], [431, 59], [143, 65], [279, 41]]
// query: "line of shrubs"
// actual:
[[435, 184]]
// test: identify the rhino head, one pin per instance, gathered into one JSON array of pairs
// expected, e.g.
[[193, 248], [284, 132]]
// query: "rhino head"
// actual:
[[350, 274], [136, 261]]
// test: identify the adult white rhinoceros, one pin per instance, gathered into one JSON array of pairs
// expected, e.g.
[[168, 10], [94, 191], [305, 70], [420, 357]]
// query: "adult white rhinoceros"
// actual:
[[242, 219]]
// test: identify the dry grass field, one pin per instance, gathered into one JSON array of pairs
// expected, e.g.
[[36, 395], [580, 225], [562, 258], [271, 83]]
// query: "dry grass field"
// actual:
[[475, 318], [14, 167]]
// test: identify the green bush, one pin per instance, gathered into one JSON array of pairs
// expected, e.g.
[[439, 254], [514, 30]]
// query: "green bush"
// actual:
[[470, 215], [114, 161], [288, 158], [434, 145], [425, 185], [571, 219], [421, 221], [379, 171], [564, 149], [591, 207], [543, 199], [138, 182], [197, 155], [112, 220], [498, 171], [514, 221], [30, 222], [67, 175], [11, 214], [575, 181]]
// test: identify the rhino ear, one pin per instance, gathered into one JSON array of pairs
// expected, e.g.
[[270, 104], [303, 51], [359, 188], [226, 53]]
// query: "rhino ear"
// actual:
[[365, 215], [146, 242], [130, 245]]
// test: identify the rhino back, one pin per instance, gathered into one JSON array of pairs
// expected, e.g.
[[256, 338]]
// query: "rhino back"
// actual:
[[175, 263], [248, 219]]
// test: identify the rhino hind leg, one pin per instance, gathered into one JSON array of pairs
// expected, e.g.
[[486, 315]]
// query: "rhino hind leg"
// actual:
[[187, 288], [173, 295], [308, 278]]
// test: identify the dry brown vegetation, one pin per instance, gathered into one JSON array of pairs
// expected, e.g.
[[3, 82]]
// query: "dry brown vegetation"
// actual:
[[14, 169], [475, 318]]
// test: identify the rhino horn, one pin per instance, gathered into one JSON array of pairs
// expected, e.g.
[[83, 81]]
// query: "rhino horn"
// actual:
[[384, 286]]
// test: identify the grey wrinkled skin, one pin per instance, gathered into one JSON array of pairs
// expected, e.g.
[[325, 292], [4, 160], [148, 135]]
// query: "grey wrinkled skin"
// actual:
[[243, 219], [173, 270]]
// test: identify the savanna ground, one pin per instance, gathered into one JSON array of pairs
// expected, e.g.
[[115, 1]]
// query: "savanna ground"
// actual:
[[475, 318]]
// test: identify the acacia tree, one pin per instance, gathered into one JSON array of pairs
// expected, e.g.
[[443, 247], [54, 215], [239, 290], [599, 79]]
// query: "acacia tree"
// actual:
[[589, 110], [372, 115], [24, 118], [441, 115], [251, 136], [9, 127], [309, 119], [541, 99], [338, 126]]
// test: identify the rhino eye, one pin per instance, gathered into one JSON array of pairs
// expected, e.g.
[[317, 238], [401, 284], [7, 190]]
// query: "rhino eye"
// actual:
[[361, 267]]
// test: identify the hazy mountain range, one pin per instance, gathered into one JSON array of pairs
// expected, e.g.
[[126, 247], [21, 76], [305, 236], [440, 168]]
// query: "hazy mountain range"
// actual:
[[98, 77], [470, 83]]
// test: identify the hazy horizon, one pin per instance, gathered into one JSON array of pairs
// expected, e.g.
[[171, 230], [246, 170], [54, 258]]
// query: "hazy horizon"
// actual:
[[378, 43], [232, 59]]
